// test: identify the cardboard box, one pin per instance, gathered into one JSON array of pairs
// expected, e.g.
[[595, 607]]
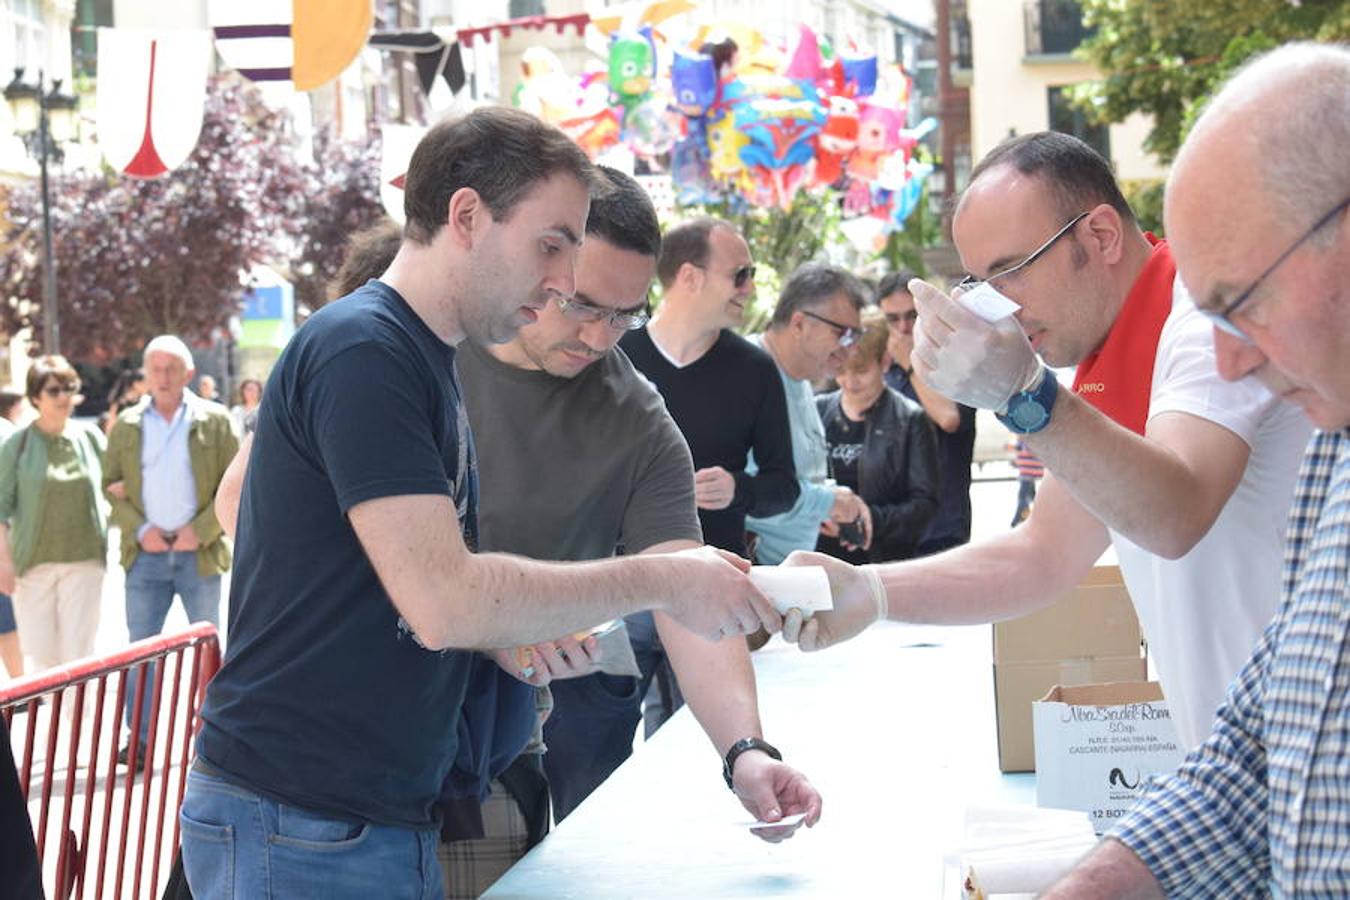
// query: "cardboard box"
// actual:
[[1090, 636], [1098, 744]]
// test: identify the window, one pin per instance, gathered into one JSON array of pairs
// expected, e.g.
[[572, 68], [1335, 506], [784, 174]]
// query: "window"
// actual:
[[1070, 120], [1054, 26], [23, 21], [89, 16]]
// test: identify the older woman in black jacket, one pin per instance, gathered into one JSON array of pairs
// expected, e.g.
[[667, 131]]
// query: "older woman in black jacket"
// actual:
[[881, 445]]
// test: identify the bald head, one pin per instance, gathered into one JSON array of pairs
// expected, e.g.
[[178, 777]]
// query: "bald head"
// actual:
[[1287, 113], [1257, 208]]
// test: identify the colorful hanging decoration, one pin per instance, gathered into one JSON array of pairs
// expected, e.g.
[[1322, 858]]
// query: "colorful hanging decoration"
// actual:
[[151, 97], [304, 42], [732, 116]]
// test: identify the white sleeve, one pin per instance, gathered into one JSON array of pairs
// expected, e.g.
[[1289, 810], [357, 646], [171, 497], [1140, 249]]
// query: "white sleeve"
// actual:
[[1186, 375]]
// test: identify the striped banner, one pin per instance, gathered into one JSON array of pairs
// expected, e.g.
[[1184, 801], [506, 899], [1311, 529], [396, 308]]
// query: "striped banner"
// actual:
[[304, 42]]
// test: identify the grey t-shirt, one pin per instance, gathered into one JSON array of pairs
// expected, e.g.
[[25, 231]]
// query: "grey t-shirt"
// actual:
[[571, 469]]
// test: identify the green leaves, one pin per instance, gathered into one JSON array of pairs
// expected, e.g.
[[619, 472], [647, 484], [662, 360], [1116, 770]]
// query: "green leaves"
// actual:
[[1165, 57]]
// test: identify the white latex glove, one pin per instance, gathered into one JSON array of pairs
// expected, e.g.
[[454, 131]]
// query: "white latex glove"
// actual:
[[859, 600], [972, 361]]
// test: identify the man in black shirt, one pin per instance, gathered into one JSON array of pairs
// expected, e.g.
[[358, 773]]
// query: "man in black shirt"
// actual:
[[723, 392]]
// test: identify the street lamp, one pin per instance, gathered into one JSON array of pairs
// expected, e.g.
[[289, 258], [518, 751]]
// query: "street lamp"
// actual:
[[50, 116]]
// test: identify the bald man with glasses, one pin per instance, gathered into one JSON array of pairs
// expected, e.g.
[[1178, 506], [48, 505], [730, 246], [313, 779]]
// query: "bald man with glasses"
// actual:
[[1258, 204], [1188, 476]]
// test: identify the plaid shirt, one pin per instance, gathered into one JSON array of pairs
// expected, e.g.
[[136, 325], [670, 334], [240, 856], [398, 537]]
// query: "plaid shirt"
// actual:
[[1263, 806]]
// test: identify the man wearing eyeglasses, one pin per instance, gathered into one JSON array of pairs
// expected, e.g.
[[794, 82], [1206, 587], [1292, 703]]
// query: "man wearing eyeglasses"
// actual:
[[1188, 476], [954, 423], [814, 330], [1257, 209], [620, 476], [333, 723]]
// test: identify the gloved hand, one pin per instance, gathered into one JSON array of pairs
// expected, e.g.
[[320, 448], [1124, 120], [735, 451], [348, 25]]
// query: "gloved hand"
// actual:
[[972, 361], [859, 600]]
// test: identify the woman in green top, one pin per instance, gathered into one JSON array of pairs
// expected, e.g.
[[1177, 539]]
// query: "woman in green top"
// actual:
[[53, 521]]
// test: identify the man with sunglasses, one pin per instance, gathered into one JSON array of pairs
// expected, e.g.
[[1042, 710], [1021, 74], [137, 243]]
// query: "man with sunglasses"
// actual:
[[723, 392], [1257, 208], [1188, 476], [814, 330]]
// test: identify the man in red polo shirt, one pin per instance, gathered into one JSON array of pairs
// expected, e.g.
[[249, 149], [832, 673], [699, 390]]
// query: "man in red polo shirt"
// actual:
[[1188, 476]]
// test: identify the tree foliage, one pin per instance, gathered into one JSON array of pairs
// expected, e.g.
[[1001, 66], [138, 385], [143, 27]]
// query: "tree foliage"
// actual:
[[341, 196], [1164, 57], [136, 258]]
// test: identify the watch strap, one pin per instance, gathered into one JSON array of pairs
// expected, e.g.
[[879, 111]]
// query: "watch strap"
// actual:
[[1028, 411], [741, 746]]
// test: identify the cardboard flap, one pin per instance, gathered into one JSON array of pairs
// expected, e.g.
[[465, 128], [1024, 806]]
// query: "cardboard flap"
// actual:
[[1096, 619], [1114, 694]]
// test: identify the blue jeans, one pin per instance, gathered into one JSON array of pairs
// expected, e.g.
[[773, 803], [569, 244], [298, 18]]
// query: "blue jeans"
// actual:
[[238, 844], [590, 731], [152, 581]]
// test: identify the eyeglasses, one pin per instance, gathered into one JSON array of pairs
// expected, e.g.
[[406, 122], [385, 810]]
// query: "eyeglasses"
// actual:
[[848, 336], [896, 318], [619, 320], [56, 390], [742, 276], [1223, 318], [970, 280]]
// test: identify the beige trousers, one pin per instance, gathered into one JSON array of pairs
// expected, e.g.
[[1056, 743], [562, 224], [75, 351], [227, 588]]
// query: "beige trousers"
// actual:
[[57, 608]]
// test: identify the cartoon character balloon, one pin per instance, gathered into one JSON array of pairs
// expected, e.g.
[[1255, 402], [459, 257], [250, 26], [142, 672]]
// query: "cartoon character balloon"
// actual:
[[693, 78], [860, 74], [837, 140], [878, 135], [632, 65]]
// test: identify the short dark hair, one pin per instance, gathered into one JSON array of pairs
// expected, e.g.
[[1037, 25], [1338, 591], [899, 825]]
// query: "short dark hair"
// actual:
[[1078, 176], [622, 213], [687, 242], [8, 400], [369, 253], [811, 284], [895, 282], [501, 153], [46, 368]]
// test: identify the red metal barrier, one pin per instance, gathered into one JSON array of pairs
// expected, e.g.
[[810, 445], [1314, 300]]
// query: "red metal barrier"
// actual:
[[68, 778]]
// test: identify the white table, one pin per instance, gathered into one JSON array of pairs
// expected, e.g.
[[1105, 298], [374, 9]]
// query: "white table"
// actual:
[[896, 730]]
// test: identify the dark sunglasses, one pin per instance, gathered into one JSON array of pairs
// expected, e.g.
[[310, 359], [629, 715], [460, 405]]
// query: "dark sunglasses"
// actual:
[[897, 318], [739, 278], [56, 390]]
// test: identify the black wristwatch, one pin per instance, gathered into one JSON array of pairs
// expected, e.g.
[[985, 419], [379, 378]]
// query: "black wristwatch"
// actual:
[[744, 744]]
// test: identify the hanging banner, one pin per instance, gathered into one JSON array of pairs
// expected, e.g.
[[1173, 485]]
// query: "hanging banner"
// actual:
[[151, 96], [305, 42], [397, 145]]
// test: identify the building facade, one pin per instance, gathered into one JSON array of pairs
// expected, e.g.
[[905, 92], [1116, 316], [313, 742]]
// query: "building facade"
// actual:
[[1021, 63]]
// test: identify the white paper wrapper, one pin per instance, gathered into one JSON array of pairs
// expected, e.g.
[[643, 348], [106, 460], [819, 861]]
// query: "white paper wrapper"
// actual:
[[1020, 850], [794, 587], [985, 301]]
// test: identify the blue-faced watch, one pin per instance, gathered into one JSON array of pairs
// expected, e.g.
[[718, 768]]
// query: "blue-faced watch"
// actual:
[[1029, 411]]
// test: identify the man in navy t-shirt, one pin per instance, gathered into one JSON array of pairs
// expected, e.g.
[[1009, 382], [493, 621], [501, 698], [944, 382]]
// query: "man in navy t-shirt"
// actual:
[[331, 725]]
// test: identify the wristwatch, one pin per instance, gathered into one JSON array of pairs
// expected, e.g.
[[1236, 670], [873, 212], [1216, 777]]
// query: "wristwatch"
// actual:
[[1029, 411], [744, 744]]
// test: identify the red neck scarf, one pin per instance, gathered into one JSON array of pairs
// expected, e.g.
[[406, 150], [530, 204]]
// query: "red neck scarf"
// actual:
[[1117, 377]]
